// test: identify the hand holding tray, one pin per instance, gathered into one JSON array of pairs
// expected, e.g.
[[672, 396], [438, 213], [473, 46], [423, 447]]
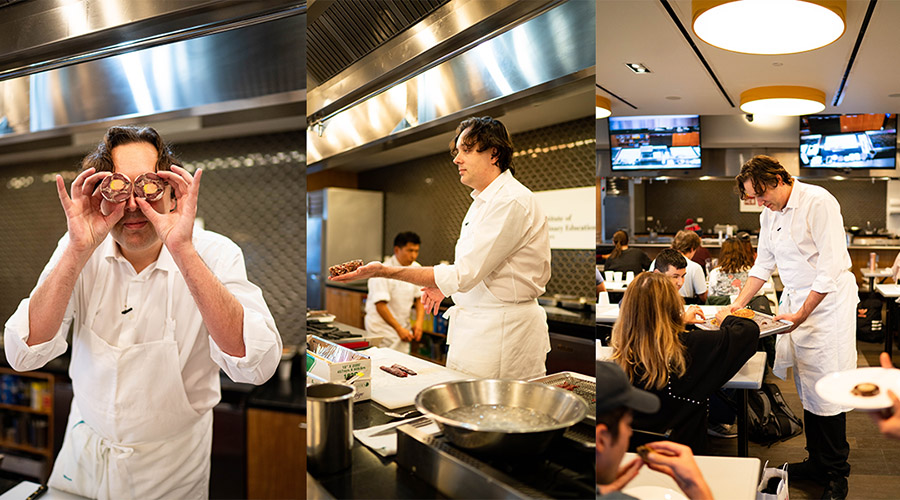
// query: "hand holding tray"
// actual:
[[767, 324]]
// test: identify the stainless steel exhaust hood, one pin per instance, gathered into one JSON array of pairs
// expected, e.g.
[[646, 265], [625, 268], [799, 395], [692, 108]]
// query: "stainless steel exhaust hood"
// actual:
[[214, 80], [39, 35], [522, 62]]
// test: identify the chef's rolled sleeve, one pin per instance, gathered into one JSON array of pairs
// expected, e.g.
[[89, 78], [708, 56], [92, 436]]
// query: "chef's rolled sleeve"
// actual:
[[19, 354], [262, 343], [764, 265], [378, 290], [492, 245], [830, 241]]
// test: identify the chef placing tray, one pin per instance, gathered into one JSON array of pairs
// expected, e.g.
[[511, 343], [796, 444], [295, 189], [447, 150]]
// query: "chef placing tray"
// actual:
[[581, 385], [767, 324]]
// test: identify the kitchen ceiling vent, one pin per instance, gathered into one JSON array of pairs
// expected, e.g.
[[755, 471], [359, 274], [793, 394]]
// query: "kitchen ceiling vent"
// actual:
[[346, 31]]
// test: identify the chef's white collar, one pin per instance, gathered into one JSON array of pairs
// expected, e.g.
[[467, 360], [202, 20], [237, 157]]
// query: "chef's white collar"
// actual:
[[110, 251], [493, 187], [794, 198]]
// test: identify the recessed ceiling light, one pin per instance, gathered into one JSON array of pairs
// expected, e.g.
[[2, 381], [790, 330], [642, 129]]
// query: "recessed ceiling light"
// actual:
[[637, 67], [782, 101], [603, 107], [769, 26]]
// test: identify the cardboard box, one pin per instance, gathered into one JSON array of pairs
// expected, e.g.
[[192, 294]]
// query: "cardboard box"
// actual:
[[338, 364]]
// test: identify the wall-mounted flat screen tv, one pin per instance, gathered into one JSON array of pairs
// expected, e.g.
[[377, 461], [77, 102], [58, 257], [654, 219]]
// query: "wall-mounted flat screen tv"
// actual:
[[655, 142], [848, 141]]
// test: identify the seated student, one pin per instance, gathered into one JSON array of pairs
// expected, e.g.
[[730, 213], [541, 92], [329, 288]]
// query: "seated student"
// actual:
[[671, 263], [682, 368], [693, 287], [626, 259], [734, 264], [616, 399]]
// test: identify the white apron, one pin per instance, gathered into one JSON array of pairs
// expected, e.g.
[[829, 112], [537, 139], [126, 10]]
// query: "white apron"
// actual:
[[488, 338], [824, 343], [132, 433]]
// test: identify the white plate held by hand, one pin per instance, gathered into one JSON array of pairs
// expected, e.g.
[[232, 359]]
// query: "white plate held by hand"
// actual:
[[838, 387]]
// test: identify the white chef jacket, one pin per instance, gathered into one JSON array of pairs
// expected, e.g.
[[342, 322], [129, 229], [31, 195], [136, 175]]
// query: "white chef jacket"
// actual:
[[109, 273], [502, 264], [510, 246], [400, 297], [806, 242]]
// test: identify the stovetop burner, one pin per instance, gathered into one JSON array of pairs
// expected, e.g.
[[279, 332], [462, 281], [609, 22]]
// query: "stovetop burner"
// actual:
[[565, 470]]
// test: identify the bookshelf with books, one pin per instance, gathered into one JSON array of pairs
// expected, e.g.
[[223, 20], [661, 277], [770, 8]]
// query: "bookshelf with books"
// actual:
[[26, 423]]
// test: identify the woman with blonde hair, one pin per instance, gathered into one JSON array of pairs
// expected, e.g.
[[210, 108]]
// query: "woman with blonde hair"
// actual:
[[682, 368]]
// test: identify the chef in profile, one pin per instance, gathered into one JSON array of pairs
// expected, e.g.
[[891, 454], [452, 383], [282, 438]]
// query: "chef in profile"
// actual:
[[157, 307], [502, 264]]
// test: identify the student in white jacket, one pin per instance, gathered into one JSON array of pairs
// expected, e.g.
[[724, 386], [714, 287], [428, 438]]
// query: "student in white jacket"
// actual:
[[389, 302], [501, 265]]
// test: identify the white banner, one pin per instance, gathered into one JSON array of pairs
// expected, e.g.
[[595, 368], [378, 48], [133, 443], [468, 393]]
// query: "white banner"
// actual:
[[571, 217]]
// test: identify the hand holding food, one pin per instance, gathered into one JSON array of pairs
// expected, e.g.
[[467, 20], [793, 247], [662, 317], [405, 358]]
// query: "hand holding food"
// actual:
[[149, 186], [694, 315], [677, 461], [116, 188], [87, 224], [888, 420], [723, 312], [175, 227], [355, 270], [345, 268]]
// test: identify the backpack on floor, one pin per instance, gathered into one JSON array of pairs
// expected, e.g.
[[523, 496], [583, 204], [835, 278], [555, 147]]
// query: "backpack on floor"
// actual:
[[868, 321], [769, 418]]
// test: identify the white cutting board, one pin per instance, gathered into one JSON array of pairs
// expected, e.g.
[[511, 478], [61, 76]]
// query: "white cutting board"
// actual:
[[396, 392]]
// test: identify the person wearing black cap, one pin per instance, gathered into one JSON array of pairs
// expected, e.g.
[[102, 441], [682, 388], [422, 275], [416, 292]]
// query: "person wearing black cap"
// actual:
[[616, 398]]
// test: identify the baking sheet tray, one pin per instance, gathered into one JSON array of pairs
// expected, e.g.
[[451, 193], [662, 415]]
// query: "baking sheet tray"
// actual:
[[585, 386], [767, 324]]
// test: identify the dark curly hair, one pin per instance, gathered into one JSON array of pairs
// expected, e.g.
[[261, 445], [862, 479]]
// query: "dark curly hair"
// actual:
[[101, 157], [763, 172], [487, 133]]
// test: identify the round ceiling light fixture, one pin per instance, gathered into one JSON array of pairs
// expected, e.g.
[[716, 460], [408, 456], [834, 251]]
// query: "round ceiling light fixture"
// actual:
[[769, 26], [782, 101], [603, 107]]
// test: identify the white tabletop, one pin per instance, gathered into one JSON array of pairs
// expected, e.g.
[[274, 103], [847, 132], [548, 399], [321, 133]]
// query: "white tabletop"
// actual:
[[884, 272], [733, 478], [25, 488], [607, 313], [615, 286], [888, 291], [750, 376]]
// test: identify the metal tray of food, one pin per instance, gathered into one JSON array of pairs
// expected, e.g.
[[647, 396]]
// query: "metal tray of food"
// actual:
[[767, 324], [582, 385]]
